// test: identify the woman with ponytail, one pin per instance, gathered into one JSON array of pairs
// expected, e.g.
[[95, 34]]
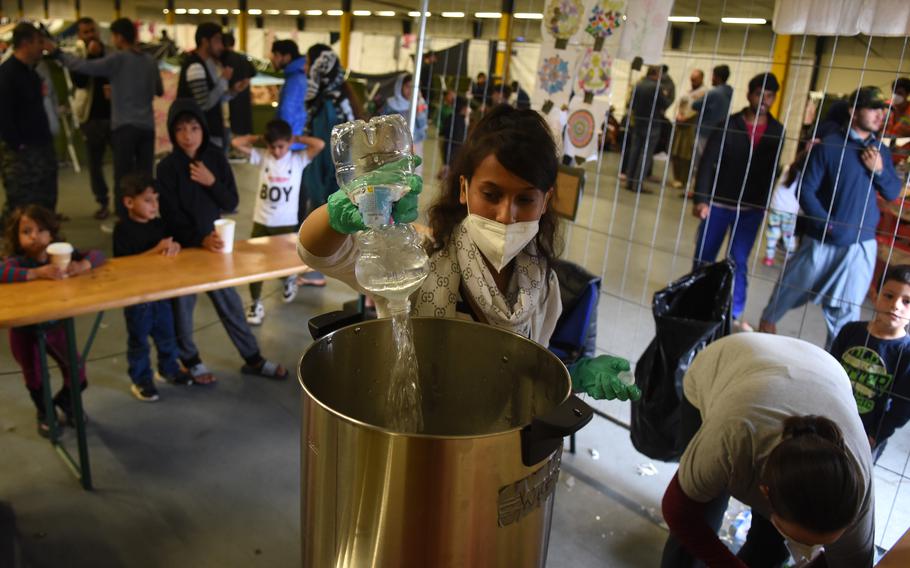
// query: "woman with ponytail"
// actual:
[[772, 422]]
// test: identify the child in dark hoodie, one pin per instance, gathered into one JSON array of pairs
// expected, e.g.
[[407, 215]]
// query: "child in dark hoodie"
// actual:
[[195, 184]]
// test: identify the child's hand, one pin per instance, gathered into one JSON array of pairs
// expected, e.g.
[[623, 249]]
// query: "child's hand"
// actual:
[[46, 272], [213, 242], [168, 247], [201, 174], [78, 267]]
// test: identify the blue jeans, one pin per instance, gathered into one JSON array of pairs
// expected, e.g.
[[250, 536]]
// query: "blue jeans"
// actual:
[[155, 319], [711, 234]]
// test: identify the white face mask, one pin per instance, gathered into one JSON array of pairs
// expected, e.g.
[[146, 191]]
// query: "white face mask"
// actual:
[[897, 100], [498, 242]]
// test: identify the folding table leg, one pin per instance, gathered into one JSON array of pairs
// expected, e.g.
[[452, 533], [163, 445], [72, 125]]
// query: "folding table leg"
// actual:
[[49, 412], [76, 389]]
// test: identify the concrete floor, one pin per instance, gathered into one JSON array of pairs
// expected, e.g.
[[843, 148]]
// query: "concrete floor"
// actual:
[[210, 476]]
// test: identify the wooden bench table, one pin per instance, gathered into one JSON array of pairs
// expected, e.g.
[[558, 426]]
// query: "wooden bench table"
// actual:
[[127, 281]]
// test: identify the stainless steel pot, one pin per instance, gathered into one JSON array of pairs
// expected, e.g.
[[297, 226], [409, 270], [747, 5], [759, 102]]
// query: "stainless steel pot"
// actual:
[[476, 489]]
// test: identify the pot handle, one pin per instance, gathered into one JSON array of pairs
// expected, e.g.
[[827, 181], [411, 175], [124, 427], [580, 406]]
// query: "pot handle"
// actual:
[[324, 324], [544, 434]]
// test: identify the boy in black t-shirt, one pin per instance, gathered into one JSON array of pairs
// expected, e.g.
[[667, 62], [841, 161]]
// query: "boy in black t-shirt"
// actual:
[[876, 356], [143, 232]]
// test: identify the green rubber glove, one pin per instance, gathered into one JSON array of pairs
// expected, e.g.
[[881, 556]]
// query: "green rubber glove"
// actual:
[[599, 377], [344, 216]]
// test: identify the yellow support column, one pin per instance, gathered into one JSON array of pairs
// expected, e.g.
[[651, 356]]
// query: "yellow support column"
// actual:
[[241, 26], [346, 21], [116, 9], [503, 58], [780, 66], [169, 18]]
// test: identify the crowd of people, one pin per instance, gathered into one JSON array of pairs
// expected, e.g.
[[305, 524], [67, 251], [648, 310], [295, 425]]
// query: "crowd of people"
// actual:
[[775, 422]]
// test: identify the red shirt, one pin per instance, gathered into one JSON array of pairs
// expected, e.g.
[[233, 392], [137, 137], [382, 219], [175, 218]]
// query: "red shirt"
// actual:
[[755, 131]]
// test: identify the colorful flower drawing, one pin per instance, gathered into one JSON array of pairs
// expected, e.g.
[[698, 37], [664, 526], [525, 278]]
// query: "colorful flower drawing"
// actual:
[[604, 19], [563, 18], [594, 73], [553, 74]]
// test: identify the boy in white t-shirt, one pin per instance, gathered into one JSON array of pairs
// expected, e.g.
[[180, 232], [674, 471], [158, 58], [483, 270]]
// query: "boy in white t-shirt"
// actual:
[[278, 199]]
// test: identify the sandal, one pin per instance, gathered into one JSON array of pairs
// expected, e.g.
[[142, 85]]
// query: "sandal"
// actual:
[[202, 375], [266, 369]]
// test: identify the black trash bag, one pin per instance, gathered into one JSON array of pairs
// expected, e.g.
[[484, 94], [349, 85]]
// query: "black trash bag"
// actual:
[[689, 314]]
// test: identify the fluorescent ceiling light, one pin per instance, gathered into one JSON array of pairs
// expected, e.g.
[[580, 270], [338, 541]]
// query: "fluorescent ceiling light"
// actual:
[[684, 19], [206, 11], [313, 12], [528, 16], [758, 21], [487, 15], [416, 14], [180, 11], [292, 12], [165, 11], [334, 12], [193, 11], [235, 11], [255, 12], [222, 11], [273, 12], [385, 13], [362, 13], [453, 14]]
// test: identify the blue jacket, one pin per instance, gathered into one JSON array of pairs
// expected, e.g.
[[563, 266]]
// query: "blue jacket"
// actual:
[[713, 107], [291, 105], [854, 212]]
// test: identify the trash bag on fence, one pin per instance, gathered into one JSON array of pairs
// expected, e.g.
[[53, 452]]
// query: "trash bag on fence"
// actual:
[[689, 314]]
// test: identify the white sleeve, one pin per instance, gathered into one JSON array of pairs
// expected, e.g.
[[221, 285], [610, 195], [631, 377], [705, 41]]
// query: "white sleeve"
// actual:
[[339, 266]]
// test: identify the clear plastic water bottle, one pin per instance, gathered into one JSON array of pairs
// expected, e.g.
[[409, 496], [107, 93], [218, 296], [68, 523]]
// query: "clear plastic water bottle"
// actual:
[[627, 377], [360, 148], [392, 263]]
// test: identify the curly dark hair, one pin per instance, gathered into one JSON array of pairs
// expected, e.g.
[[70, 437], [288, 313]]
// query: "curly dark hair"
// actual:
[[43, 217], [521, 141]]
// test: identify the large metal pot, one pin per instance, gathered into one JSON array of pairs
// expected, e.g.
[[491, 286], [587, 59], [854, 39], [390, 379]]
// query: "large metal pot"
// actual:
[[475, 490]]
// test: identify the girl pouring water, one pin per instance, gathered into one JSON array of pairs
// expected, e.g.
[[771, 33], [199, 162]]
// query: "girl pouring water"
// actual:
[[492, 241]]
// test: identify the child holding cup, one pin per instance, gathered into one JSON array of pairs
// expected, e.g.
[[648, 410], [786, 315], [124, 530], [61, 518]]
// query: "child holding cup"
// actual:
[[34, 250]]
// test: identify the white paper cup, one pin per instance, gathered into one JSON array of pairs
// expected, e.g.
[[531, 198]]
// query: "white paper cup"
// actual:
[[225, 229], [60, 254]]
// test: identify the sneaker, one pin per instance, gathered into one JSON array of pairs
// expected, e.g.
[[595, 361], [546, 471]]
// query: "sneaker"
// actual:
[[181, 377], [145, 393], [256, 312], [107, 227], [290, 291], [769, 261], [102, 213]]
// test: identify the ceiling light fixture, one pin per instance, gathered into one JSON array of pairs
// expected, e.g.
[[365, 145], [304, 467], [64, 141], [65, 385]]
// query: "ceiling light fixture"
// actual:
[[255, 12], [235, 11], [273, 12], [453, 14], [684, 19], [528, 16], [165, 11], [193, 11], [180, 11], [416, 14], [313, 12], [222, 11], [206, 11], [487, 15], [334, 12], [385, 13], [747, 21], [362, 13], [292, 12]]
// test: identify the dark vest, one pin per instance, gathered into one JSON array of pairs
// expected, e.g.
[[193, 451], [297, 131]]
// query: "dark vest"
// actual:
[[212, 116]]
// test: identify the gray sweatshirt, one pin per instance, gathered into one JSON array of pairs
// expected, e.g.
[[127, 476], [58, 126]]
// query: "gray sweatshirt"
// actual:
[[135, 81]]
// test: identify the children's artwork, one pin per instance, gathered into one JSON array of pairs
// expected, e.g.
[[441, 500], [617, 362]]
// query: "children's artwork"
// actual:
[[555, 73], [604, 17], [562, 20], [584, 122], [644, 30], [594, 73]]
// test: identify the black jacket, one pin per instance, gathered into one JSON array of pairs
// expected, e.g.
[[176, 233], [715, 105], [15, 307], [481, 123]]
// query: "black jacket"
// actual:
[[733, 164], [190, 210], [215, 120]]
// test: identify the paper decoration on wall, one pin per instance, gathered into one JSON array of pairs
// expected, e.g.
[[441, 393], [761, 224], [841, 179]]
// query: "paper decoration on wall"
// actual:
[[644, 30], [583, 124], [842, 17], [555, 73], [562, 19], [594, 74], [603, 20]]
